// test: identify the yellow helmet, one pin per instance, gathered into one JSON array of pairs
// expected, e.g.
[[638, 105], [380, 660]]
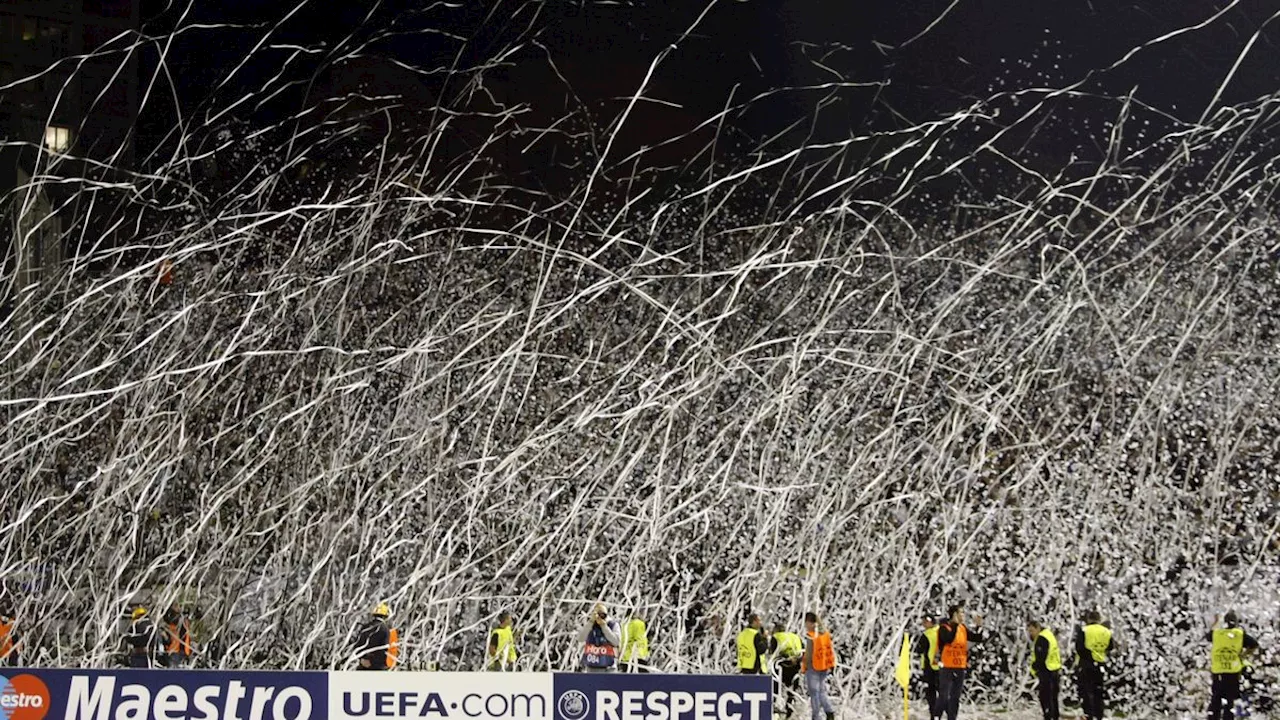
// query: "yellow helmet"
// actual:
[[382, 610], [139, 612]]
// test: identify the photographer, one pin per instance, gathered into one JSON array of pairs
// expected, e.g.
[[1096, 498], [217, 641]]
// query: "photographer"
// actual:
[[600, 640]]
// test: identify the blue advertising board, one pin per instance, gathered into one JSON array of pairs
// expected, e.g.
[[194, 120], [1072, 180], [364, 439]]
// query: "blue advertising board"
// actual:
[[626, 696], [38, 694]]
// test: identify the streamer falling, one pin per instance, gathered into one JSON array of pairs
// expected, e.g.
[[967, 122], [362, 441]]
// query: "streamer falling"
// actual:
[[872, 375]]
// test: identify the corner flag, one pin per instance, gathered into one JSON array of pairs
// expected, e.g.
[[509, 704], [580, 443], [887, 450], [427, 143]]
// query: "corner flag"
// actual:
[[903, 671]]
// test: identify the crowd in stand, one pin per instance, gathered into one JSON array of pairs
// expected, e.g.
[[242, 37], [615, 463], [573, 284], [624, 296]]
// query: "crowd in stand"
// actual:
[[483, 424]]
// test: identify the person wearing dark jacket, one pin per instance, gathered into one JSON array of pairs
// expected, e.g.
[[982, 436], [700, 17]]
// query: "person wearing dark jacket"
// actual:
[[1046, 662], [1230, 647], [1093, 645], [373, 640], [953, 653], [926, 648], [141, 640]]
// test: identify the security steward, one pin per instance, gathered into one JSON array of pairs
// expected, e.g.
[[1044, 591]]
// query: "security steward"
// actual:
[[954, 638], [635, 646], [8, 642], [1046, 664], [1231, 646], [787, 650], [501, 651], [177, 637], [753, 645], [1093, 644], [926, 648]]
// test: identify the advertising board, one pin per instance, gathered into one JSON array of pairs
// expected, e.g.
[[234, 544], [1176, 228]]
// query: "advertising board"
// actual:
[[439, 696], [38, 694], [618, 696]]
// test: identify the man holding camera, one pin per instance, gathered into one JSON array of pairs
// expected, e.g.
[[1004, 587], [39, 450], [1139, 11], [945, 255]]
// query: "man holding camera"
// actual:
[[600, 640]]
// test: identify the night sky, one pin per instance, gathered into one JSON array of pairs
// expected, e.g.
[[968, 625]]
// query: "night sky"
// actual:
[[915, 60]]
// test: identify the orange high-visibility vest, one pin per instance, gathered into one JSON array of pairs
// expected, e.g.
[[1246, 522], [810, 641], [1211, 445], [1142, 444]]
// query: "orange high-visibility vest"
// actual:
[[824, 655], [179, 638], [6, 638], [393, 648], [955, 654]]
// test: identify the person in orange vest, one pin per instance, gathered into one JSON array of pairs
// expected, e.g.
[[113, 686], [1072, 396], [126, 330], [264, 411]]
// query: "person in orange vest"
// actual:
[[164, 275], [819, 661], [953, 654], [8, 642], [177, 637]]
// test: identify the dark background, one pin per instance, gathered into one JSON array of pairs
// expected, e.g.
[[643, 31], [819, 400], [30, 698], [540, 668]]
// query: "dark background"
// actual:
[[814, 70]]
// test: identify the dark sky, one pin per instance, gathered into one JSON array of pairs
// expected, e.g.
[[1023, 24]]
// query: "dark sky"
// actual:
[[741, 48]]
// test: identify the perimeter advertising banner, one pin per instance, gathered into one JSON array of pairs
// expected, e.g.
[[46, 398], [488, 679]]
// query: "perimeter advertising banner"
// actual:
[[439, 696], [34, 694], [162, 695], [615, 696]]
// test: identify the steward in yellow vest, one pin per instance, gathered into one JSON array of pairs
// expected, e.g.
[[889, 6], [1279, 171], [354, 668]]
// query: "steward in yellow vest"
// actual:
[[787, 651], [501, 652], [635, 646], [1230, 647], [752, 646], [1046, 661], [1093, 645], [926, 648]]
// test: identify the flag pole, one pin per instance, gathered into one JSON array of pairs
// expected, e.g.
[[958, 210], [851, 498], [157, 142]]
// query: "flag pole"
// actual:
[[903, 674]]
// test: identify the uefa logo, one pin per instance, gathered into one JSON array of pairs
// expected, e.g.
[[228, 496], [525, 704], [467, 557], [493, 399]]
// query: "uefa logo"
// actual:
[[573, 705], [23, 697]]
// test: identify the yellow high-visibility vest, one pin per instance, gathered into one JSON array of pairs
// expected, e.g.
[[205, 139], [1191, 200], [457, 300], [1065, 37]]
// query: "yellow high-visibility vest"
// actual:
[[748, 658], [790, 646], [1227, 647], [505, 653], [1097, 638], [931, 660], [635, 642], [1053, 662]]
